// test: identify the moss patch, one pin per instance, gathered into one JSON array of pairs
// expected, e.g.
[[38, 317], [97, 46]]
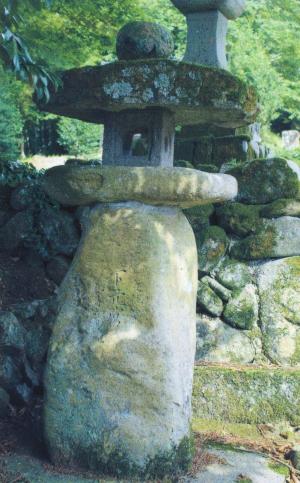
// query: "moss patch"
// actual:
[[250, 395], [258, 246], [278, 468], [212, 244], [265, 180], [238, 219]]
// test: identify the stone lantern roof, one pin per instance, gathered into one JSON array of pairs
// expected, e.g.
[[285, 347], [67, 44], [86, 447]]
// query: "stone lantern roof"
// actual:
[[194, 93]]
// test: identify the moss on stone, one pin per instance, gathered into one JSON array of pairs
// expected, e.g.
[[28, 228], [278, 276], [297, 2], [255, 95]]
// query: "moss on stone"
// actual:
[[199, 217], [283, 207], [241, 312], [241, 430], [279, 469], [279, 288], [195, 93], [183, 164], [233, 275], [238, 219], [251, 395], [265, 180], [258, 246], [208, 300], [170, 464], [208, 168], [212, 244]]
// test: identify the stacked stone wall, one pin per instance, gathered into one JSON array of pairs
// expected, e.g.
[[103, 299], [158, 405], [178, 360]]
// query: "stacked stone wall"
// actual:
[[249, 260]]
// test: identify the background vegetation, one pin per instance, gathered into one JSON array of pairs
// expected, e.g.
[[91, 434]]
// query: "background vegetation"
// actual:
[[264, 50]]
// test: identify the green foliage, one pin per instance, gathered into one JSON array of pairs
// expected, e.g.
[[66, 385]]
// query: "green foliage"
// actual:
[[274, 142], [10, 122], [14, 53], [264, 50], [14, 173], [79, 138]]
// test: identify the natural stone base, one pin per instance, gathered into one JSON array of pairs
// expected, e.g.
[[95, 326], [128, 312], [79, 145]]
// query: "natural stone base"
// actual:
[[120, 367], [252, 395]]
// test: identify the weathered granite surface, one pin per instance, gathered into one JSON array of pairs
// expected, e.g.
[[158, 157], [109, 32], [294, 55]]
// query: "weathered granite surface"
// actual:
[[196, 94], [82, 185], [120, 365], [275, 238], [253, 395], [217, 342], [279, 288]]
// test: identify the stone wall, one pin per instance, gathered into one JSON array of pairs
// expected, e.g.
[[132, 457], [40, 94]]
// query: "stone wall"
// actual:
[[249, 258], [37, 242]]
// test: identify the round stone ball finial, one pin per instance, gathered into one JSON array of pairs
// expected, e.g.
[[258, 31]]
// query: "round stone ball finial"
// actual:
[[144, 40], [231, 9]]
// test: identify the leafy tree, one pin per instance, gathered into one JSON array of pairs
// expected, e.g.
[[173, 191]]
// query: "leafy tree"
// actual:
[[14, 53], [79, 138], [10, 121], [264, 50]]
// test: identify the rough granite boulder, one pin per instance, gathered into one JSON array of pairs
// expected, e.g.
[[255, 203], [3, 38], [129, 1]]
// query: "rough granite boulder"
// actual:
[[208, 300], [218, 342], [234, 275], [238, 219], [254, 395], [12, 334], [265, 180], [11, 377], [241, 312], [281, 208], [212, 244], [279, 291], [276, 238], [119, 316], [23, 197], [16, 231], [59, 230]]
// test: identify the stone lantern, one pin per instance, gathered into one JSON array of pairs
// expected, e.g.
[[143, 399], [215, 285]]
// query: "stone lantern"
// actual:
[[207, 22], [119, 374]]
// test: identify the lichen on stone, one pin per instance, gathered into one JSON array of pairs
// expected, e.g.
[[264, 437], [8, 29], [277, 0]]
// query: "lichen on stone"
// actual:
[[212, 244]]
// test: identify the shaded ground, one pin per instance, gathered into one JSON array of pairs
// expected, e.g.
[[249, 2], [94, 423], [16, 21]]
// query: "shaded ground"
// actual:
[[220, 457], [22, 281]]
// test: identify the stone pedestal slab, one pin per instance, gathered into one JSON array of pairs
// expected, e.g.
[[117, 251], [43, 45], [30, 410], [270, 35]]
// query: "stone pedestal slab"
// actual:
[[120, 366]]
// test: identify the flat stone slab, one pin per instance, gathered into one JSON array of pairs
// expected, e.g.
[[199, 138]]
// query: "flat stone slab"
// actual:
[[75, 185], [196, 94], [253, 467]]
